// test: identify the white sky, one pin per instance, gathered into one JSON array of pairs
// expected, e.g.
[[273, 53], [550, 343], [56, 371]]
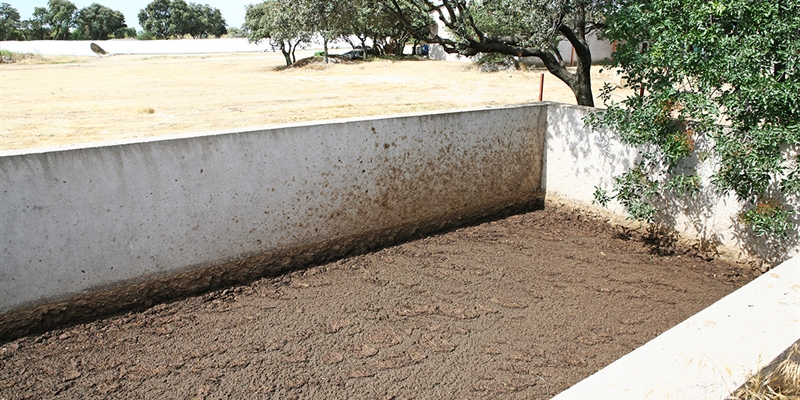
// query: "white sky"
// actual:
[[232, 10]]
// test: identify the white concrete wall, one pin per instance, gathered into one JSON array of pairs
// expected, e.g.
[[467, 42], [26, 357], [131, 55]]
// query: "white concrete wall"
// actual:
[[601, 50], [712, 353], [79, 220], [577, 159], [186, 46]]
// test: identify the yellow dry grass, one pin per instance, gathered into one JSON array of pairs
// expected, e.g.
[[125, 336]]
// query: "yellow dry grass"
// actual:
[[121, 97], [781, 383]]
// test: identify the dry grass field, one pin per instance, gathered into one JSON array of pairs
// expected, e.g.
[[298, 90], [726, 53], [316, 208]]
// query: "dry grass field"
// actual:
[[77, 100]]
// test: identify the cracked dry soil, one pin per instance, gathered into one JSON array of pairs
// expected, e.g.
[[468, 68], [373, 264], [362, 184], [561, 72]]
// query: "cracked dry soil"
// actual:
[[517, 308]]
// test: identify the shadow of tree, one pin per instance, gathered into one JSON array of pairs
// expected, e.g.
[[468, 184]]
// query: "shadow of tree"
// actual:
[[587, 158]]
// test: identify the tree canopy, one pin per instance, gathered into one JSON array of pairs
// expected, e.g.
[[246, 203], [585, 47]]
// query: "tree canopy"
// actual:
[[98, 21], [720, 83], [521, 28], [165, 19], [288, 23], [281, 21], [10, 23], [61, 20]]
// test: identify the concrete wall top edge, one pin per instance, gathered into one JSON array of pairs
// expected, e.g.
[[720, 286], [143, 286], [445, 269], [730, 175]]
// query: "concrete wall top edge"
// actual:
[[257, 128]]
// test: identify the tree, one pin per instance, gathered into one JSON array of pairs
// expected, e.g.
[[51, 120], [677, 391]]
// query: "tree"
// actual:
[[9, 23], [521, 28], [718, 81], [97, 22], [36, 28], [60, 18], [282, 22], [327, 18], [205, 21], [164, 19], [125, 32], [392, 32]]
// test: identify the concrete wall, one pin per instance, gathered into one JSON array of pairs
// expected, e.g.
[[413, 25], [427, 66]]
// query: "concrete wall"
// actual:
[[81, 47], [577, 159], [98, 228], [88, 219]]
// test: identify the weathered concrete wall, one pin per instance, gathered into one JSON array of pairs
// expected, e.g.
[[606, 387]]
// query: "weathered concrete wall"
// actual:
[[90, 230], [79, 221], [577, 159]]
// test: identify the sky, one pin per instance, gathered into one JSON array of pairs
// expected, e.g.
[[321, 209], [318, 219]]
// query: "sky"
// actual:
[[232, 10]]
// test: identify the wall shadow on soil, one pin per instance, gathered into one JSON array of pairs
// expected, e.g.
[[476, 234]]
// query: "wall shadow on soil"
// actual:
[[196, 280]]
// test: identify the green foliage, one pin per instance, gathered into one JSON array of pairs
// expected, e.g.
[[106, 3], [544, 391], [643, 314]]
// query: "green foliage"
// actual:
[[723, 73], [491, 58], [283, 22], [97, 22], [123, 33], [769, 218], [234, 32], [156, 19], [635, 191], [144, 35], [205, 21], [165, 19], [36, 28], [60, 17], [53, 22], [10, 23]]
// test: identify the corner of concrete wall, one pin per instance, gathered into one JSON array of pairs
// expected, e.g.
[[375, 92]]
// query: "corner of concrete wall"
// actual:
[[578, 159]]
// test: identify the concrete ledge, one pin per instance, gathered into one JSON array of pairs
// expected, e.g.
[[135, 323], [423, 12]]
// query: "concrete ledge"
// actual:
[[711, 354]]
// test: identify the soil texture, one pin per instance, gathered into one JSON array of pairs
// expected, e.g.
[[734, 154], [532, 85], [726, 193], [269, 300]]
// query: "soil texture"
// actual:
[[522, 307]]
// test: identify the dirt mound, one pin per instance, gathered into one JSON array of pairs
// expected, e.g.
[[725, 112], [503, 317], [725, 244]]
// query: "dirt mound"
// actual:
[[332, 59]]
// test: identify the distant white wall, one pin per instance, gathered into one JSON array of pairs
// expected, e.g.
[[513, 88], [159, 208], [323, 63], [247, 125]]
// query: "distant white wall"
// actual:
[[78, 220], [601, 50], [185, 46]]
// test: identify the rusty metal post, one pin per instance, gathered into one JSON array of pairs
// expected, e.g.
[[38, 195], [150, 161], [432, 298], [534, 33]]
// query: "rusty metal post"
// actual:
[[541, 87]]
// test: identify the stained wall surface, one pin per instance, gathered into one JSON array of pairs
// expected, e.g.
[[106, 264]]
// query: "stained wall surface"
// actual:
[[86, 219]]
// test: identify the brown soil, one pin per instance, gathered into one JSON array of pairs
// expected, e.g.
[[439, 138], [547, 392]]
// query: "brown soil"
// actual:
[[125, 97], [517, 308]]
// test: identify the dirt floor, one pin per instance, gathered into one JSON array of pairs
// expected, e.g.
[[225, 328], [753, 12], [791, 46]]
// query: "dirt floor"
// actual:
[[122, 97], [517, 308]]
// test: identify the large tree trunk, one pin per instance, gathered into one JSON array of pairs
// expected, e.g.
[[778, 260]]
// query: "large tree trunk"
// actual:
[[363, 47], [286, 53], [582, 84], [325, 44]]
